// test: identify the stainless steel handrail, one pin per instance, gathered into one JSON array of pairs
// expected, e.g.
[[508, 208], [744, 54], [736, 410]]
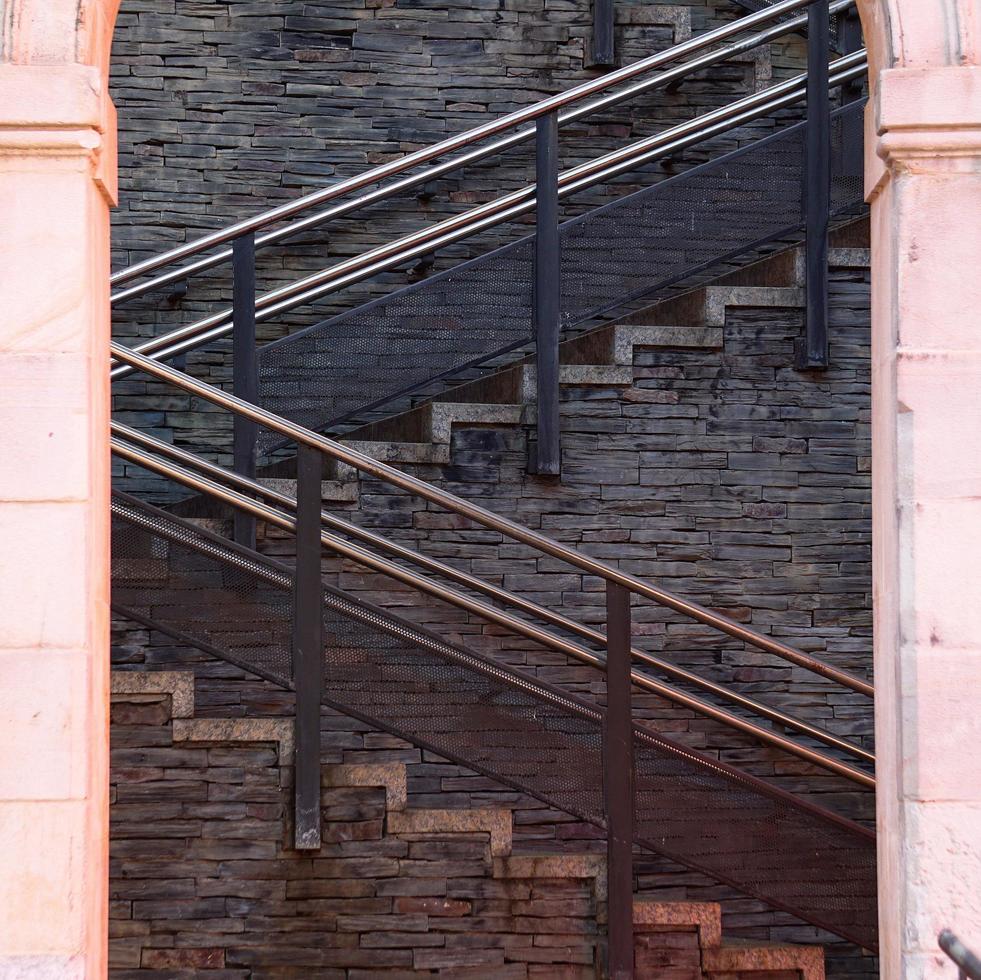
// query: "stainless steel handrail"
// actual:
[[432, 565], [517, 532], [503, 209], [968, 964], [474, 156], [359, 555], [458, 141]]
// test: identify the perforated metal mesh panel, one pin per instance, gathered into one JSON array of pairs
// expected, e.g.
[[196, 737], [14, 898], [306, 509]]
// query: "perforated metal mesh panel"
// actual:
[[497, 721], [755, 5], [618, 253], [167, 572]]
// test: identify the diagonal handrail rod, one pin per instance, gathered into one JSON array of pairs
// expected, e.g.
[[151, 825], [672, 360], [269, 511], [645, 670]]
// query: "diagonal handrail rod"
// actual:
[[496, 522], [483, 131], [205, 484], [968, 965], [473, 156], [245, 484], [498, 211]]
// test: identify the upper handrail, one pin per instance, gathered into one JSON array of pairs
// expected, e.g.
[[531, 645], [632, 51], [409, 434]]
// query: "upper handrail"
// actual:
[[484, 216], [503, 525], [458, 141]]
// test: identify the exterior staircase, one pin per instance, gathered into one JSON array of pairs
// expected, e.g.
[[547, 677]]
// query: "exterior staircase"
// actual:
[[394, 891], [207, 877], [601, 359]]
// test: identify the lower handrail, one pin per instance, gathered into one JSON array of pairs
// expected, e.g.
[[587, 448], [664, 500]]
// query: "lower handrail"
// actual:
[[515, 624], [968, 964], [511, 529]]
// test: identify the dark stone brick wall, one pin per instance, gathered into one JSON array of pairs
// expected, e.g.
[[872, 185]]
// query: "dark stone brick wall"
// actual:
[[747, 488], [228, 107], [744, 485], [204, 882]]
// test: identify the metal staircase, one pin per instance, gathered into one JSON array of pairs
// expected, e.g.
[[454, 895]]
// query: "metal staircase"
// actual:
[[282, 623]]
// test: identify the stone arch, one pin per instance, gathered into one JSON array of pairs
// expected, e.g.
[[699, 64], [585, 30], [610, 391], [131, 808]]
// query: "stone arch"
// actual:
[[923, 180], [57, 181]]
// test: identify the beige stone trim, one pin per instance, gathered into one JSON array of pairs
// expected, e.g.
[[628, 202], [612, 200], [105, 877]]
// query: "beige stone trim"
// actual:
[[496, 823], [279, 730], [704, 917], [556, 866], [807, 961], [390, 775], [179, 684]]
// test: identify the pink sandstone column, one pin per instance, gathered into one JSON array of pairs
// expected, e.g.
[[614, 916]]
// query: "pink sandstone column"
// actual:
[[924, 183], [56, 165]]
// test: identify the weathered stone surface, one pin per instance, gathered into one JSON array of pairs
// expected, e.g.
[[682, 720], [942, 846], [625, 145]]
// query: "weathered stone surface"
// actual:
[[496, 823], [275, 730], [178, 684]]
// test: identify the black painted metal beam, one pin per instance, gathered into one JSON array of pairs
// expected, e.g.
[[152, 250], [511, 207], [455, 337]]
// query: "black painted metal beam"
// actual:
[[245, 381], [817, 189], [618, 769], [603, 34], [308, 649], [547, 289]]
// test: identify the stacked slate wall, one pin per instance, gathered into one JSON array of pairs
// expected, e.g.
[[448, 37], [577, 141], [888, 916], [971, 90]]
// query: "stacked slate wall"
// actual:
[[227, 108], [723, 475]]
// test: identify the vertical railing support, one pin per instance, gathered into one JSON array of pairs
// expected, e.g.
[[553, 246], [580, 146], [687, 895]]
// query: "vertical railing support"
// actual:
[[852, 141], [245, 383], [307, 649], [603, 25], [618, 769], [547, 293], [817, 188]]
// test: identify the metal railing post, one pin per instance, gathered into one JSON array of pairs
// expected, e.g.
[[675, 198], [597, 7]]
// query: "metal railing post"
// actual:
[[307, 649], [618, 774], [245, 382], [852, 137], [817, 188], [547, 293], [603, 40]]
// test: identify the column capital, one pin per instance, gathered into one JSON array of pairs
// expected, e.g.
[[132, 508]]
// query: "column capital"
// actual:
[[59, 111], [928, 120]]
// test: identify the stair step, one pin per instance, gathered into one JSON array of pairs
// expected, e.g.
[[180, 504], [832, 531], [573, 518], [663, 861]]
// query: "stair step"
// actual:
[[718, 298], [334, 490], [628, 336], [444, 415], [734, 958], [390, 776], [179, 684], [612, 347], [850, 258], [704, 917], [246, 730], [550, 865], [496, 822]]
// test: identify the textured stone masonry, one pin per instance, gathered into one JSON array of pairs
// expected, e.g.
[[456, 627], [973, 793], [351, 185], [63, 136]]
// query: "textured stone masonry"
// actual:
[[228, 108]]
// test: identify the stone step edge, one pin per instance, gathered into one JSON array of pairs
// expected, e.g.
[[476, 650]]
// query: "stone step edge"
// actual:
[[704, 917], [551, 865], [179, 684], [730, 958], [496, 822], [390, 776]]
